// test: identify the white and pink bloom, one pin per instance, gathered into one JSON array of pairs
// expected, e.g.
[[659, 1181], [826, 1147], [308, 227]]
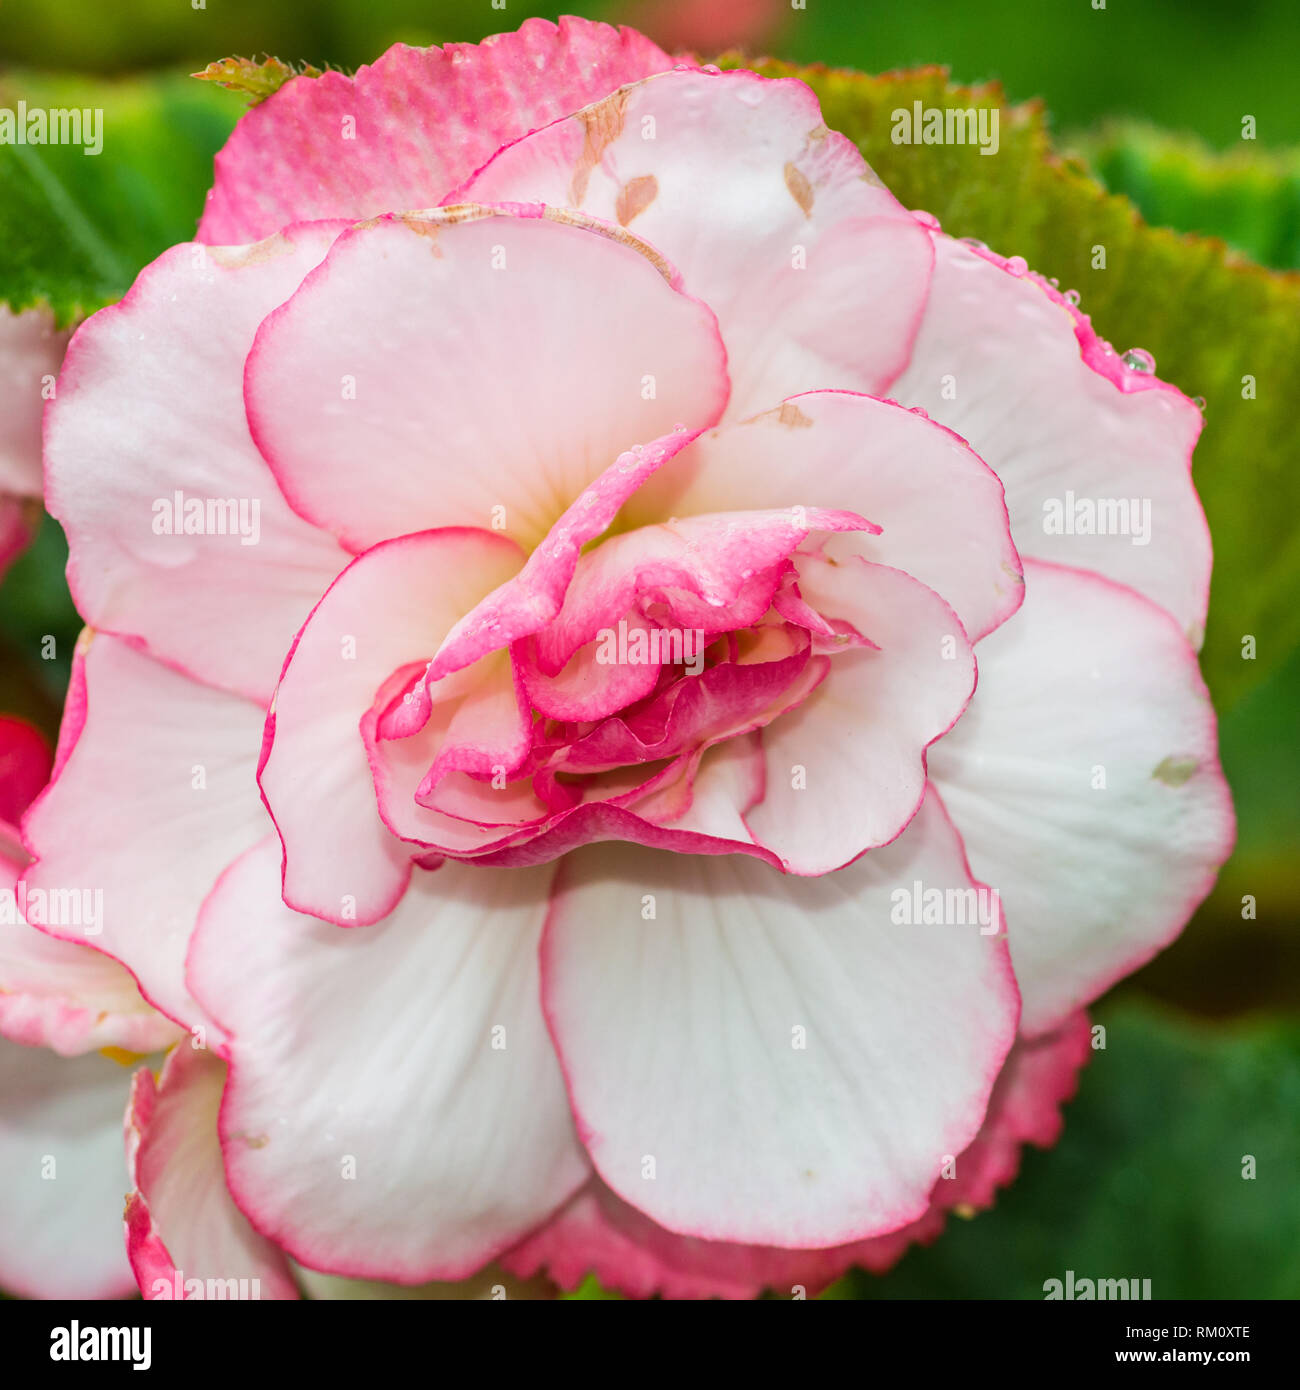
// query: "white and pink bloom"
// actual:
[[512, 941]]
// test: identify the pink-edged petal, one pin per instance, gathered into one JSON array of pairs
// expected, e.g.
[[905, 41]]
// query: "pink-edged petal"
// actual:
[[802, 1097], [474, 367], [1085, 781], [24, 766], [407, 128], [731, 778], [599, 1234], [534, 596], [65, 996], [489, 1284], [154, 799], [57, 994], [1012, 366], [148, 435], [940, 508], [399, 766], [432, 1130], [491, 731], [586, 687], [62, 1175], [181, 1223], [388, 609], [846, 770], [713, 573], [774, 221], [31, 349]]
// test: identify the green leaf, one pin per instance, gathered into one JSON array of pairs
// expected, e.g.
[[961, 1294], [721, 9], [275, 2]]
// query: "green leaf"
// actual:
[[1250, 198], [76, 228], [1211, 319], [1147, 1181]]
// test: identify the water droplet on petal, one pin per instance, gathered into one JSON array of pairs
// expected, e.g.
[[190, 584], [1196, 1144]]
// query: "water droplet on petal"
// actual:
[[626, 462], [710, 68], [1140, 360], [679, 428], [926, 219], [1055, 283], [1073, 297], [1199, 403], [974, 242], [1017, 265]]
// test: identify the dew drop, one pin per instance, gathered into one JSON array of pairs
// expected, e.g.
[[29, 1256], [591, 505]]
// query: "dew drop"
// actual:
[[1140, 360], [711, 68], [926, 219], [1073, 297], [1017, 265], [1199, 403], [1055, 283], [974, 243], [679, 428]]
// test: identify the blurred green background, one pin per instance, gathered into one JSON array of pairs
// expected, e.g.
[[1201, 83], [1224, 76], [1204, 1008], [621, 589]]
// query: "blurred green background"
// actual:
[[1202, 1064]]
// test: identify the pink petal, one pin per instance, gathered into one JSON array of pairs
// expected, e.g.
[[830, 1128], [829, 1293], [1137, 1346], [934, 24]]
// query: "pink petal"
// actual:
[[473, 368], [421, 119], [846, 770], [586, 687], [815, 272], [491, 731], [149, 427], [181, 1223], [529, 601], [24, 766], [17, 526], [388, 609], [1062, 421], [753, 1137], [1085, 781], [152, 800], [393, 1108], [731, 563]]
